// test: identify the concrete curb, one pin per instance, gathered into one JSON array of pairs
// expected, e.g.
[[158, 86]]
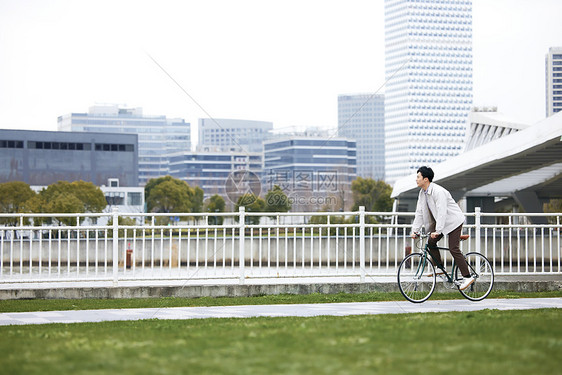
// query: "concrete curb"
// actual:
[[194, 291]]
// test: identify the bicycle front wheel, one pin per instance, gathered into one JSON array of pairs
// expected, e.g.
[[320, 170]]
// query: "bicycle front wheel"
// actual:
[[483, 273], [416, 278]]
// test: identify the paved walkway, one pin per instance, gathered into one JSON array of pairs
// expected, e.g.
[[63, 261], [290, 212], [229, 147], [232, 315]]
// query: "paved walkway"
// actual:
[[305, 310]]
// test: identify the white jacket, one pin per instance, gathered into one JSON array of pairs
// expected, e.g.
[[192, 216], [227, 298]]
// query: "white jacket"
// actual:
[[447, 213]]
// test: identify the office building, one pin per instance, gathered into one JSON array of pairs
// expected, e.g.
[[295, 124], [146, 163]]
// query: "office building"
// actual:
[[553, 81], [210, 167], [245, 134], [158, 136], [314, 172], [361, 117], [428, 96], [43, 158]]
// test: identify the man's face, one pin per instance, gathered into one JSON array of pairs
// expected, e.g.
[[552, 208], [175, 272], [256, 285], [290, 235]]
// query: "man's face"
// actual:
[[420, 180]]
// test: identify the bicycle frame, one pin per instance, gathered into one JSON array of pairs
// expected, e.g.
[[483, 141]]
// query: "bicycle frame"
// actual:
[[427, 254]]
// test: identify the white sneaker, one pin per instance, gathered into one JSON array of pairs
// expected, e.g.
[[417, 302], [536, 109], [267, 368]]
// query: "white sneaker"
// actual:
[[466, 282]]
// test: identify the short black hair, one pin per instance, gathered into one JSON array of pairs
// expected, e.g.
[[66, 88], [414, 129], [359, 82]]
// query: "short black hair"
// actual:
[[426, 172]]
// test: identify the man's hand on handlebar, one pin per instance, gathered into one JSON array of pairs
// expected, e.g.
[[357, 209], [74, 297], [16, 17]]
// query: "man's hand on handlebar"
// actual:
[[417, 235]]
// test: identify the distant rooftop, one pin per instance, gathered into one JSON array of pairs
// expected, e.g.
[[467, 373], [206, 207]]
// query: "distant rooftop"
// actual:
[[114, 110]]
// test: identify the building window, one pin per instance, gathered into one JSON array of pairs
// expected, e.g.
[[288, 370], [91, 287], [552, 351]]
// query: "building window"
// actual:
[[114, 147], [11, 144], [58, 146], [134, 199], [115, 198]]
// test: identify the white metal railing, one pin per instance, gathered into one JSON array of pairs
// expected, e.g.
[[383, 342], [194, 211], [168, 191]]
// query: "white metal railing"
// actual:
[[97, 247]]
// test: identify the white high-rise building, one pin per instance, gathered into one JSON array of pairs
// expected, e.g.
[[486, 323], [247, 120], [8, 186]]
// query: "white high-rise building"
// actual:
[[361, 117], [428, 96], [553, 81], [248, 135], [158, 136]]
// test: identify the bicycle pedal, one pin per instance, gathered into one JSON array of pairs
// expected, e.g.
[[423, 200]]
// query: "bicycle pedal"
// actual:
[[456, 284]]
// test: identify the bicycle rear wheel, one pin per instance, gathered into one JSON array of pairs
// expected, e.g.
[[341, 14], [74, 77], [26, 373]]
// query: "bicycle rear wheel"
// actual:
[[483, 273], [414, 281]]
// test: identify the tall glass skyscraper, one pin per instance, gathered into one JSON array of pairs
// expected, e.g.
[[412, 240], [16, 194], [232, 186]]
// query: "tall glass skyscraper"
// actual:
[[158, 136], [553, 84], [428, 96], [361, 117]]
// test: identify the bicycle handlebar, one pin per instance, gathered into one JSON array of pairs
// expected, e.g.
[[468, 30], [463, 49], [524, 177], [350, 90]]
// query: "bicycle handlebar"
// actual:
[[426, 235]]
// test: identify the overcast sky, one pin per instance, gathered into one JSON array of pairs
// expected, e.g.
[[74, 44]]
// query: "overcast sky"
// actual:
[[279, 61]]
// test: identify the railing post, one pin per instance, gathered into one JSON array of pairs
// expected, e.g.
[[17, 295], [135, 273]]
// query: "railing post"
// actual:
[[21, 244], [362, 242], [115, 215], [477, 229], [241, 249]]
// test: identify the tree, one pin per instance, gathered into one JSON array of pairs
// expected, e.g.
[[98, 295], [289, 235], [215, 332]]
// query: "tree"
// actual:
[[90, 195], [69, 197], [215, 204], [374, 195], [553, 206], [64, 203], [276, 200], [252, 204], [15, 197], [153, 182], [169, 194], [197, 200]]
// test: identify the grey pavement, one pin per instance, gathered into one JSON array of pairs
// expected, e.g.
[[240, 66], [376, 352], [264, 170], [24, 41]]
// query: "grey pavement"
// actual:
[[302, 310]]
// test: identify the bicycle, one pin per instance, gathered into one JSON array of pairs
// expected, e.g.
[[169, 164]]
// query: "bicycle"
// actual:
[[417, 276]]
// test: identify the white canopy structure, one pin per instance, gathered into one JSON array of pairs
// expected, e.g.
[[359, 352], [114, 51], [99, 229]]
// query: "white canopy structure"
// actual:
[[525, 165]]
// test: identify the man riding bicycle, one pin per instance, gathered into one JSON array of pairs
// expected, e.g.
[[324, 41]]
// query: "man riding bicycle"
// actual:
[[439, 214]]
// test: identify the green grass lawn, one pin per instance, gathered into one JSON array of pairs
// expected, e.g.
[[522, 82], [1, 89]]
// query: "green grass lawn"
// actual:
[[92, 304], [484, 342]]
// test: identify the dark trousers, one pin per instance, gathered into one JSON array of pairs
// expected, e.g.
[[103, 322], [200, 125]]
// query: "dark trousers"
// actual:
[[454, 249]]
